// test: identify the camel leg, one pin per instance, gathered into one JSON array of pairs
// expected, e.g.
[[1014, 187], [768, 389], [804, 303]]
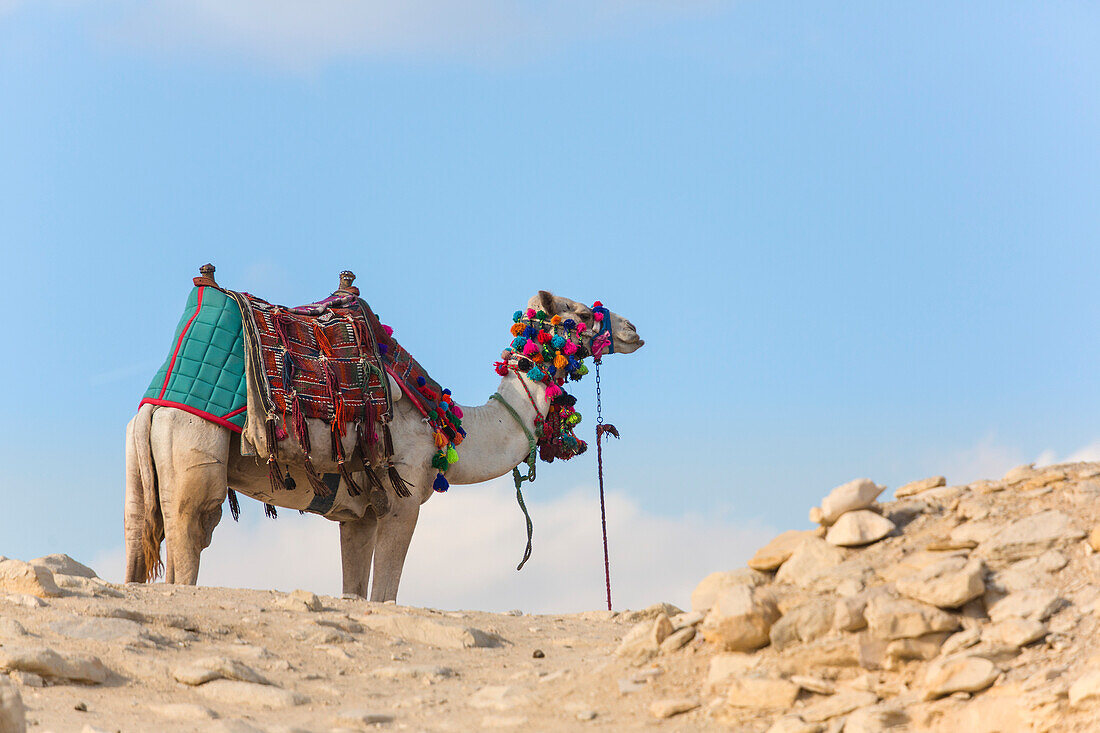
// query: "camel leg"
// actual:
[[191, 455], [356, 553], [395, 531], [134, 516]]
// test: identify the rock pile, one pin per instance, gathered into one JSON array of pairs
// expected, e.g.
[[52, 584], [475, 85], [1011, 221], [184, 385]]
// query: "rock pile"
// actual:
[[950, 608]]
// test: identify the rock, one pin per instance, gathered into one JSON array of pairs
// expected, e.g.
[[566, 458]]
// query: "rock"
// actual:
[[60, 564], [794, 724], [859, 527], [234, 692], [848, 613], [48, 663], [1030, 536], [1019, 473], [23, 578], [854, 495], [677, 640], [414, 671], [651, 612], [183, 711], [761, 693], [947, 584], [875, 719], [13, 717], [704, 595], [683, 620], [26, 679], [916, 487], [10, 628], [644, 640], [775, 553], [208, 669], [962, 640], [972, 534], [1094, 539], [837, 705], [25, 600], [300, 600], [958, 674], [904, 619], [1015, 632], [497, 697], [667, 707], [740, 619], [813, 557], [724, 667], [1037, 604], [359, 718], [805, 622], [1086, 689], [816, 515], [814, 684], [922, 647], [98, 629], [433, 633]]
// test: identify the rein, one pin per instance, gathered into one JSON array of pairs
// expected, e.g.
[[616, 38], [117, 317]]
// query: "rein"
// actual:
[[517, 477]]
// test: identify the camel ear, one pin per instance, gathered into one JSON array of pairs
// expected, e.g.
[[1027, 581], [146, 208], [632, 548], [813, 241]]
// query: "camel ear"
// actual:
[[546, 301]]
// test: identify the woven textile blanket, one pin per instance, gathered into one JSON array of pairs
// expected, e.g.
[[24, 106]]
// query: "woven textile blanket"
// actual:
[[204, 371]]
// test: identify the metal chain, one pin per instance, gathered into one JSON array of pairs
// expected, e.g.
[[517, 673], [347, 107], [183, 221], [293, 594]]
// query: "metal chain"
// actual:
[[599, 463]]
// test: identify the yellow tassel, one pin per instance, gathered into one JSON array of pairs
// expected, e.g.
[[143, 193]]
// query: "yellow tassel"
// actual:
[[561, 361], [440, 440]]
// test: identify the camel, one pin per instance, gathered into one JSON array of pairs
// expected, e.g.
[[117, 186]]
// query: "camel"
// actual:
[[179, 466]]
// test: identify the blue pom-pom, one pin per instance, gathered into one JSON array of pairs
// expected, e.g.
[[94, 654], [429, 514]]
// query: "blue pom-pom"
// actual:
[[446, 391], [462, 431], [517, 316], [440, 484], [518, 343], [573, 364], [535, 375], [557, 342], [443, 405], [530, 332], [569, 324], [420, 381], [552, 369], [383, 348]]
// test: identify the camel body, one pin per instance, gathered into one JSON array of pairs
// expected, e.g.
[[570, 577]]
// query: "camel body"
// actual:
[[179, 467]]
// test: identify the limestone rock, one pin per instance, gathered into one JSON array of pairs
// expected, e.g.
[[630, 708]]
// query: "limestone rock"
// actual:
[[48, 663], [433, 633], [875, 719], [1086, 689], [677, 640], [814, 684], [947, 584], [919, 648], [916, 487], [1030, 536], [667, 707], [650, 612], [810, 559], [1094, 539], [958, 674], [683, 620], [98, 629], [10, 628], [724, 667], [235, 692], [644, 640], [497, 697], [1037, 604], [761, 693], [428, 672], [904, 619], [837, 705], [741, 619], [12, 713], [775, 553], [60, 564], [848, 613], [1019, 473], [359, 718], [858, 494], [859, 527], [208, 669], [22, 577], [301, 600], [704, 595], [183, 711], [1015, 632], [794, 724], [805, 622]]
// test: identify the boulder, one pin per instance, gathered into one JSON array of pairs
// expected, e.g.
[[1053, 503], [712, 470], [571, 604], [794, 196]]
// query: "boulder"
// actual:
[[1037, 604], [23, 578], [48, 663], [813, 557], [947, 584], [704, 595], [805, 622], [916, 487], [60, 564], [741, 619], [1030, 536], [775, 553], [13, 717], [724, 667], [644, 640], [858, 494], [919, 648], [957, 674], [859, 527], [761, 693], [889, 618], [1014, 632], [677, 640], [208, 669], [848, 613]]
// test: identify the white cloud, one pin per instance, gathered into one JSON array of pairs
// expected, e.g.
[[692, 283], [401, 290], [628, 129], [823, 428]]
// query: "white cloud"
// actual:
[[469, 541], [1090, 452], [986, 459]]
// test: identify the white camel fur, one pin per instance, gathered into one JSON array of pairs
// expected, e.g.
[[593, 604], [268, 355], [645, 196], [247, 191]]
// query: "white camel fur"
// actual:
[[178, 467]]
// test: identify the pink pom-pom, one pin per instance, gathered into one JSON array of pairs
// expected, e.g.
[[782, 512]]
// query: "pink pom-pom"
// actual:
[[457, 411], [530, 312], [388, 330], [552, 391], [530, 348], [598, 316], [581, 327], [569, 348]]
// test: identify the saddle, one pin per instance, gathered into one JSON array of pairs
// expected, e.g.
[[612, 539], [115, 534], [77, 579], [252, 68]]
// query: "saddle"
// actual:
[[318, 393]]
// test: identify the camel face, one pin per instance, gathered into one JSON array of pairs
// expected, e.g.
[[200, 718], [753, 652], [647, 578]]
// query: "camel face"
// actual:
[[623, 331]]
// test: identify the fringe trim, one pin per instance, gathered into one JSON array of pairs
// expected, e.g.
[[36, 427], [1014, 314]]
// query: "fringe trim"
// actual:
[[353, 488], [314, 479], [400, 485], [234, 506], [270, 511]]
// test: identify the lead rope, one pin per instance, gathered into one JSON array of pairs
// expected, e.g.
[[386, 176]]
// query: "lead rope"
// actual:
[[601, 429], [517, 477]]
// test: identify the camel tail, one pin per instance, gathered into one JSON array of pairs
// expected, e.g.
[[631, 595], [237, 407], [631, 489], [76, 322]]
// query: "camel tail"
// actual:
[[144, 523]]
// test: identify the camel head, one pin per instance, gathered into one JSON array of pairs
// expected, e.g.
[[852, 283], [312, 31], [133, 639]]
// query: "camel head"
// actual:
[[625, 336]]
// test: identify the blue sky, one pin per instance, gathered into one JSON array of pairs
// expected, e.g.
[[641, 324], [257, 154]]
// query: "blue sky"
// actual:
[[859, 239]]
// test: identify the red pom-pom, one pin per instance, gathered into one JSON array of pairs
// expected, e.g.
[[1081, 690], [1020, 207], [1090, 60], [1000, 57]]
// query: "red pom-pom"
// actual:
[[388, 330], [597, 304]]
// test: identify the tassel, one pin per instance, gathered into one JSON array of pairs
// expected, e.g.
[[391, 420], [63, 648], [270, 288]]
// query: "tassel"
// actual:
[[272, 439], [440, 484], [234, 507], [440, 439], [270, 511], [387, 440], [373, 480], [275, 475], [298, 421], [452, 455], [400, 486], [353, 488], [553, 391], [314, 479]]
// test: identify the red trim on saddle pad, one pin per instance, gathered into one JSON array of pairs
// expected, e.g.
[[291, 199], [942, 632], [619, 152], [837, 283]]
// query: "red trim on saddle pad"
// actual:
[[179, 343], [195, 411]]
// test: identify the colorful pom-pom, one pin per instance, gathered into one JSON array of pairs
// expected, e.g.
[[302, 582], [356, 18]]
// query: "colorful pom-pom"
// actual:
[[535, 374], [517, 315], [524, 364], [597, 304], [440, 484], [420, 381], [561, 361], [439, 461], [452, 454], [598, 316], [569, 324], [582, 327], [569, 349], [530, 312], [457, 411], [388, 330], [544, 337], [443, 405], [517, 329], [553, 391], [447, 392], [383, 348], [530, 349], [555, 320], [518, 342], [557, 342], [440, 439], [541, 315], [530, 332]]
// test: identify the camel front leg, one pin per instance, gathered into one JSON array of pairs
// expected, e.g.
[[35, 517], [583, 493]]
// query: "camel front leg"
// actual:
[[356, 552], [395, 532]]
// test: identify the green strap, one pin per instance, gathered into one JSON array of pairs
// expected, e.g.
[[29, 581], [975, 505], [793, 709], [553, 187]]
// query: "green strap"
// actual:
[[517, 477]]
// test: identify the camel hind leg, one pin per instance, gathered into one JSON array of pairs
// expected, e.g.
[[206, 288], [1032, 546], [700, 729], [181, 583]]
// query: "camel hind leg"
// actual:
[[191, 455], [356, 552], [134, 517]]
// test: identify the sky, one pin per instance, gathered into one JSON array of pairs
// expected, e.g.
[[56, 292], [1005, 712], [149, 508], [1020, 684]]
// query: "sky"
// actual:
[[859, 239]]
